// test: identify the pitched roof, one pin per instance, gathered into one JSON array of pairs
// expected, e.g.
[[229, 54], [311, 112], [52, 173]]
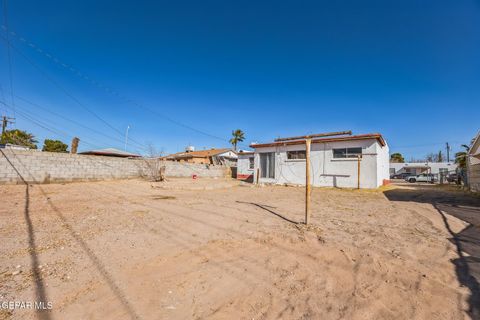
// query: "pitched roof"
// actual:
[[376, 136], [112, 152], [199, 154]]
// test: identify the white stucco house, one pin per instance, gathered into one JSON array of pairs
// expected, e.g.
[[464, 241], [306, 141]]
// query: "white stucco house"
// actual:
[[334, 161]]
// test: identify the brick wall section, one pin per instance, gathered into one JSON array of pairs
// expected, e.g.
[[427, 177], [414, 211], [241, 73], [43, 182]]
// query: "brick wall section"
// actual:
[[45, 167]]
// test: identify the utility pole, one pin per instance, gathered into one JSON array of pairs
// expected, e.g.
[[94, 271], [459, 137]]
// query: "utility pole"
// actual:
[[359, 157], [448, 152], [126, 137], [5, 121], [308, 187]]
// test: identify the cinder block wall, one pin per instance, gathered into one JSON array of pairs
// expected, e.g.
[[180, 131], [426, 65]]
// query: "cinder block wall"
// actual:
[[474, 177], [45, 167]]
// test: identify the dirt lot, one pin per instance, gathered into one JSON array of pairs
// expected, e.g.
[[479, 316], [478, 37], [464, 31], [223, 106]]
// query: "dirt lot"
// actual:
[[128, 249]]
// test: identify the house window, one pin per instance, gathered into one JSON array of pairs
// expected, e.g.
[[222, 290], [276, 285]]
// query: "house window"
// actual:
[[347, 152], [296, 155], [251, 163], [267, 165]]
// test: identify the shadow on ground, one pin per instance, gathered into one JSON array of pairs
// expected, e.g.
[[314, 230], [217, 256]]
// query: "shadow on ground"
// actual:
[[270, 210], [467, 242], [40, 292]]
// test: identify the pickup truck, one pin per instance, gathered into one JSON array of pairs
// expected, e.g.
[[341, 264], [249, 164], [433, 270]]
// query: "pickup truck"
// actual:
[[402, 175], [424, 177]]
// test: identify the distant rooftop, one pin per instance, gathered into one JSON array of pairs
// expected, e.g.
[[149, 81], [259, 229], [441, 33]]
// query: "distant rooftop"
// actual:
[[111, 152], [13, 146], [198, 154]]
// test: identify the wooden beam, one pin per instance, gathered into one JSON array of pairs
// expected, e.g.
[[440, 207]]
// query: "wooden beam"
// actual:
[[307, 180], [358, 169], [317, 135]]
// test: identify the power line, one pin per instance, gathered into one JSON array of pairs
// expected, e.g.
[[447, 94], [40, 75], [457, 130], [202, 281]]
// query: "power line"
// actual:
[[2, 97], [42, 123], [112, 91], [9, 57], [66, 92], [75, 122]]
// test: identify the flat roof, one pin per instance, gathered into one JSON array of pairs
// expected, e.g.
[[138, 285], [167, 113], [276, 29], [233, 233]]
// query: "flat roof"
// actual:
[[112, 152], [198, 154], [376, 136]]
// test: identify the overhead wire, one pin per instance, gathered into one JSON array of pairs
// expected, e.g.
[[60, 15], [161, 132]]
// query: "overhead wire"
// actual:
[[112, 91], [9, 56], [65, 91], [2, 97], [44, 125], [76, 122]]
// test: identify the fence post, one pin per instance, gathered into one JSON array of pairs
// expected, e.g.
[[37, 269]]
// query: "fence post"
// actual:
[[307, 180]]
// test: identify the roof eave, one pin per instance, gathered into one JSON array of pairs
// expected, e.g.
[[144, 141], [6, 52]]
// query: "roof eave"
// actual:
[[475, 145], [378, 137]]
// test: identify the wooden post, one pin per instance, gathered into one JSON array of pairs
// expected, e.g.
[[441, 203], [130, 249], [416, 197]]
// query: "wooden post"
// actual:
[[358, 169], [258, 174], [308, 141]]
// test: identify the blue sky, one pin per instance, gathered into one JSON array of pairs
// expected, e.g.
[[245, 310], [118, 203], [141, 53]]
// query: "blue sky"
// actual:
[[407, 69]]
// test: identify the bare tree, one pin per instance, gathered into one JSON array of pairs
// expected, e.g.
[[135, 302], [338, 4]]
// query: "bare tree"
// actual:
[[154, 165], [434, 157]]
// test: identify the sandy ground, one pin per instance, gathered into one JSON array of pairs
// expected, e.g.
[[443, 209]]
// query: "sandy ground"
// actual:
[[133, 249]]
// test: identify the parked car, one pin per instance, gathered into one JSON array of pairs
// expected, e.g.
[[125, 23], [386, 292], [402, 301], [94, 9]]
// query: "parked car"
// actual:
[[452, 177], [402, 175], [424, 177]]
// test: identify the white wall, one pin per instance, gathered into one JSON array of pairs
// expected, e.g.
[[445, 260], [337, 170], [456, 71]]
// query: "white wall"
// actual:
[[383, 163], [243, 163], [327, 171], [228, 154]]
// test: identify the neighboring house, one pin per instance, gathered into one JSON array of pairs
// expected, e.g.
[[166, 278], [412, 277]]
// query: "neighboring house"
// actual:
[[335, 161], [416, 168], [111, 152], [473, 165], [211, 156], [245, 165]]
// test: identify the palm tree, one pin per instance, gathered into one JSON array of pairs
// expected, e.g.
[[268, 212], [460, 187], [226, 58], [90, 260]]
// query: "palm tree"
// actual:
[[461, 157], [19, 137], [237, 136]]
